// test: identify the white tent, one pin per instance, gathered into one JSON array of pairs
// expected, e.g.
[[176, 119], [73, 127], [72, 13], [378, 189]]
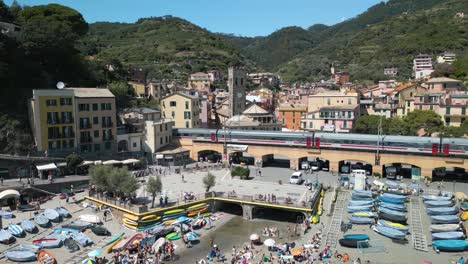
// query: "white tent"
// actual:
[[50, 166], [111, 162], [87, 162], [130, 161]]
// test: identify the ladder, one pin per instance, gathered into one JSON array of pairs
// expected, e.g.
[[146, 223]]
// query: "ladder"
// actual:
[[417, 232], [335, 225]]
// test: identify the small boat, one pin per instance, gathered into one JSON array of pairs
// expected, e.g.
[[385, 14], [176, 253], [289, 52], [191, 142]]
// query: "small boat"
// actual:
[[15, 230], [63, 212], [360, 202], [450, 245], [389, 232], [392, 184], [26, 208], [391, 200], [445, 228], [364, 214], [6, 214], [41, 220], [444, 219], [82, 239], [361, 220], [20, 255], [100, 230], [367, 194], [397, 192], [94, 219], [28, 225], [393, 218], [359, 198], [352, 209], [175, 211], [396, 207], [52, 215], [442, 210], [438, 203], [395, 196], [173, 236], [397, 226], [451, 235], [151, 218], [78, 225], [114, 238], [45, 257], [436, 198], [392, 212], [48, 243], [353, 240], [464, 216], [29, 247], [5, 237], [65, 230], [134, 240], [464, 206], [356, 236], [71, 245]]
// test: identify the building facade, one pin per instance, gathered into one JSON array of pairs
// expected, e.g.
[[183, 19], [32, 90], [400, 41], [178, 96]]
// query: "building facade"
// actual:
[[290, 116], [236, 82], [447, 57], [422, 66], [200, 81], [183, 109]]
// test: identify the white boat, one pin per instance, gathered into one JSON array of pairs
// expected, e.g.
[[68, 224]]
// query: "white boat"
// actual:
[[52, 215], [445, 228], [90, 218]]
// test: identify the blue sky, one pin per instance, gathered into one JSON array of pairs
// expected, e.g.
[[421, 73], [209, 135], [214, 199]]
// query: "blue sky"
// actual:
[[241, 17]]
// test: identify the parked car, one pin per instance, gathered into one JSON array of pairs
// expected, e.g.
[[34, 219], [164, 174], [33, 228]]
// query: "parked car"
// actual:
[[296, 178]]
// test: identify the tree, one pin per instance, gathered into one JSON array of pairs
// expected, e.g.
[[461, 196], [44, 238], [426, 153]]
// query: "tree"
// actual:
[[443, 70], [99, 175], [113, 180], [73, 160], [428, 120], [154, 186], [122, 92], [209, 181], [368, 124]]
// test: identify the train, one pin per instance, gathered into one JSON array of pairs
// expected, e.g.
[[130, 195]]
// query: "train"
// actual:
[[453, 147]]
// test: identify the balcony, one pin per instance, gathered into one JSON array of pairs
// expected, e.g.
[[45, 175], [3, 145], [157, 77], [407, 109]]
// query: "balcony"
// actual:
[[107, 124], [67, 120], [107, 138], [85, 126], [68, 135], [86, 140]]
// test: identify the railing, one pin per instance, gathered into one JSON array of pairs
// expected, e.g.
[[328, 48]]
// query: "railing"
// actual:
[[267, 199], [85, 126]]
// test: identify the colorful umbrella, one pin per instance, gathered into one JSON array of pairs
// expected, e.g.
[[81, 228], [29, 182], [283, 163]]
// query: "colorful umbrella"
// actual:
[[297, 251], [95, 253], [254, 237]]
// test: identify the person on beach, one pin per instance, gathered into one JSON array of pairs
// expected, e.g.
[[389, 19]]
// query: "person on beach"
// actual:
[[289, 231]]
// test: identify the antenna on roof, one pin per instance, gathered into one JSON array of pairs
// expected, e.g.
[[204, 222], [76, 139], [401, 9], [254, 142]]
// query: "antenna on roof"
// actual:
[[60, 85]]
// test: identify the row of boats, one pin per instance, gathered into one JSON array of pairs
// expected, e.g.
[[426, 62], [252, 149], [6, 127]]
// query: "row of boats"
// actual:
[[446, 228]]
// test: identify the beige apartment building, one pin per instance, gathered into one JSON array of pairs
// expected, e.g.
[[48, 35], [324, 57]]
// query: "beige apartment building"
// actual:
[[183, 109]]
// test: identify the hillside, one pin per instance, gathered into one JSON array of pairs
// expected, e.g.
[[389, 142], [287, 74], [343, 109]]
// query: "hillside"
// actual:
[[168, 47], [391, 43]]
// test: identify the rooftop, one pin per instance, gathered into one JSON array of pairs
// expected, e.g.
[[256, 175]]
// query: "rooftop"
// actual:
[[241, 120], [91, 92], [143, 110], [442, 80], [254, 109], [339, 107]]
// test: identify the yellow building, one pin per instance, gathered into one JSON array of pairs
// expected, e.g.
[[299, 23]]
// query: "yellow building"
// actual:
[[81, 120], [53, 120], [183, 109], [138, 88]]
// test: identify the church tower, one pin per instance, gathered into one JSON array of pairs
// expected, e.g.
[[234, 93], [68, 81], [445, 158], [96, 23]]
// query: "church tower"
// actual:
[[236, 84]]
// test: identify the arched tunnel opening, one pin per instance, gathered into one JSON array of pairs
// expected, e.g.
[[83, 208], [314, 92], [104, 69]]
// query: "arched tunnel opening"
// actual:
[[230, 208], [277, 215], [276, 161]]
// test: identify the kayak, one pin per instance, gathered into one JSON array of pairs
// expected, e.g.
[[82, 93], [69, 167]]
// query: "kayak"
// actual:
[[115, 238], [45, 257], [464, 216], [175, 211], [150, 218], [193, 207], [133, 241], [111, 245], [173, 236], [198, 211], [131, 217]]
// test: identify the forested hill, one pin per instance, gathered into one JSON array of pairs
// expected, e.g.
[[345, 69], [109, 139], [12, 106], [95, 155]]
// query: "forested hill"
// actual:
[[360, 42], [168, 47]]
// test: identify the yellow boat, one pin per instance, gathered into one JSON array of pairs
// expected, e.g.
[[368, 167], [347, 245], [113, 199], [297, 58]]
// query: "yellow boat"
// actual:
[[131, 217], [395, 224], [169, 222], [315, 219], [130, 226], [195, 212], [464, 216], [175, 211], [193, 207], [363, 214], [111, 246], [150, 218], [207, 214], [129, 222]]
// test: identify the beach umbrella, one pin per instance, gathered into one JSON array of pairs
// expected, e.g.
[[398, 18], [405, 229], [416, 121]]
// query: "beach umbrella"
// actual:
[[269, 242], [297, 251], [254, 237], [461, 196], [88, 261], [95, 253], [192, 236]]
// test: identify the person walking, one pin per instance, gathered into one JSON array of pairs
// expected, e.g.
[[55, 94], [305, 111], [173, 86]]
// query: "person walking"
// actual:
[[105, 215]]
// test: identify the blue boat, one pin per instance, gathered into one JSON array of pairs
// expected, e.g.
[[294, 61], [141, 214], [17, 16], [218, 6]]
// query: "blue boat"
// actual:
[[392, 212], [63, 212], [360, 202], [442, 210], [395, 196], [366, 194], [49, 243], [452, 235], [52, 215], [445, 219], [390, 200], [438, 203], [41, 220], [364, 214], [29, 247], [436, 198], [450, 245], [392, 184], [352, 209], [389, 232], [58, 230], [5, 237], [396, 207], [356, 237], [113, 239], [20, 255], [15, 230], [28, 225], [82, 239], [464, 206], [397, 226], [361, 220]]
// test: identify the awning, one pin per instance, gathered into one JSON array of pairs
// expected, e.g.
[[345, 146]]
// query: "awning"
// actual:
[[9, 194], [237, 147], [130, 161], [50, 166], [159, 156], [98, 162], [62, 164], [111, 162], [87, 162]]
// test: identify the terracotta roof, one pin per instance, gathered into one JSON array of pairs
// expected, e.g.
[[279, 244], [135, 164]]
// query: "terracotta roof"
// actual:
[[255, 109], [403, 87]]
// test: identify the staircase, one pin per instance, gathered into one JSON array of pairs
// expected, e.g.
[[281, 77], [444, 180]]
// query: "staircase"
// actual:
[[417, 232]]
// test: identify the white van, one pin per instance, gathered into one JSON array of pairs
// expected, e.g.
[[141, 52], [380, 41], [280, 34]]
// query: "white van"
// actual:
[[296, 178]]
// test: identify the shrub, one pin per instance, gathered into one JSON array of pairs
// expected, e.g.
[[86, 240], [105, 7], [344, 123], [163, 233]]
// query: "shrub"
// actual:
[[242, 172]]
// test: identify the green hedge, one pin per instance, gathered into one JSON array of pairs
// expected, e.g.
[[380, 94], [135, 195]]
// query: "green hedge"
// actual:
[[242, 172]]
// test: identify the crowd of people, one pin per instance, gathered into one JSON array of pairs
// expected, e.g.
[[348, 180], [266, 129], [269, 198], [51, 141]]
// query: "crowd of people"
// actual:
[[144, 255]]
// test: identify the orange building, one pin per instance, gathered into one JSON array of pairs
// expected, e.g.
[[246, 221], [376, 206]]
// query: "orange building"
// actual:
[[290, 116]]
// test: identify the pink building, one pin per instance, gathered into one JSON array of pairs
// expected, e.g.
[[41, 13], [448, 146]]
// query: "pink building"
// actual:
[[429, 101], [338, 118], [442, 85]]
